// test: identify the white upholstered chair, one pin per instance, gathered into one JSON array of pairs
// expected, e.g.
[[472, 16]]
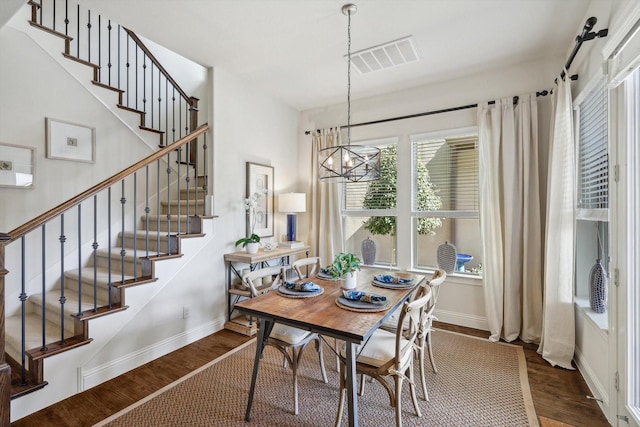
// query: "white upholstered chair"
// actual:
[[290, 341], [391, 354]]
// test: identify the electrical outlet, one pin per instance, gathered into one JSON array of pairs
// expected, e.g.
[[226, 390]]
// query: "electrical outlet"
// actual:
[[185, 312]]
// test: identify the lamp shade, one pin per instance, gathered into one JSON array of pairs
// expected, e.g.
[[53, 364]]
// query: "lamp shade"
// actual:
[[292, 202]]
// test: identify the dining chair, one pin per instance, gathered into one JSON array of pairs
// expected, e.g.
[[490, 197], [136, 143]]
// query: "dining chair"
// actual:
[[424, 334], [290, 341], [312, 264], [390, 354], [309, 267]]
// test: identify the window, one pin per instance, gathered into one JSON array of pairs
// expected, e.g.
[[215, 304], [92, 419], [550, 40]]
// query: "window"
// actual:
[[369, 209], [445, 200], [592, 204]]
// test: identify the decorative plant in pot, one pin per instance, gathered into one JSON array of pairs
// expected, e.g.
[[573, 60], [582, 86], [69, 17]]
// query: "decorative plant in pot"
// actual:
[[252, 243], [345, 266]]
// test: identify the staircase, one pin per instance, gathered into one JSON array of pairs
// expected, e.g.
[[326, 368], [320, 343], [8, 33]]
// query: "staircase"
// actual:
[[113, 240]]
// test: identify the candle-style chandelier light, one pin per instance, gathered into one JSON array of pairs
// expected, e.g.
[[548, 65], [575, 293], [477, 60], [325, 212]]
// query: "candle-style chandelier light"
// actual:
[[349, 163]]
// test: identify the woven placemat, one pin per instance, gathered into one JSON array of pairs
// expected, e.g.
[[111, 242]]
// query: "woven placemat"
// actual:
[[302, 294], [373, 309]]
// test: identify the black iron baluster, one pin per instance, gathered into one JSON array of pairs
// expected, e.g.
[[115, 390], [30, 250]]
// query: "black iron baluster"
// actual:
[[136, 81], [173, 109], [158, 207], [54, 14], [188, 180], [99, 48], [151, 98], [44, 293], [159, 100], [135, 224], [123, 252], [179, 179], [205, 178], [128, 65], [95, 252], [23, 315], [110, 283], [169, 203], [80, 260], [89, 35], [166, 111], [195, 174], [78, 33], [144, 84], [109, 52], [63, 299], [66, 17], [146, 211]]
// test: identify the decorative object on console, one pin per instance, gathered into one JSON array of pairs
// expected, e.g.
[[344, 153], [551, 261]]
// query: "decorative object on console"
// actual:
[[349, 163], [598, 284], [292, 203], [251, 204]]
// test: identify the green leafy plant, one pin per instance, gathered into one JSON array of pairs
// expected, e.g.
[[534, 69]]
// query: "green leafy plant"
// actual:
[[382, 194], [344, 263], [254, 238]]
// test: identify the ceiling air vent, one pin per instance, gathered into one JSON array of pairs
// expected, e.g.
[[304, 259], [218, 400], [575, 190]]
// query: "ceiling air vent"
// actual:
[[384, 56]]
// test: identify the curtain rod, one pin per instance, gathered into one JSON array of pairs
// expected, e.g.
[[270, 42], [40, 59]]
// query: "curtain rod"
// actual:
[[586, 35]]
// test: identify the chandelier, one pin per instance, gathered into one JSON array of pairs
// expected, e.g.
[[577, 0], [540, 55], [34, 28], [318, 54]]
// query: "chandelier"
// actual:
[[349, 163]]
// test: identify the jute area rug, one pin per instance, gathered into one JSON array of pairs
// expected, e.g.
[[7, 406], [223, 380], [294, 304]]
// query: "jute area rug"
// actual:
[[479, 383]]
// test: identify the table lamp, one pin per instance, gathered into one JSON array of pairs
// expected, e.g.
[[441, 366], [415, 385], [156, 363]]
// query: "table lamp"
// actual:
[[291, 203]]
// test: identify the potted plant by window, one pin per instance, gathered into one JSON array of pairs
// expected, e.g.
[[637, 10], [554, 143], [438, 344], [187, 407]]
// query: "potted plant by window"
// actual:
[[345, 266]]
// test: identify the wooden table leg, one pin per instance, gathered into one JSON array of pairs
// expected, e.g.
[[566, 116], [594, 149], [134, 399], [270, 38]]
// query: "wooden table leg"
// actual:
[[264, 330], [352, 398]]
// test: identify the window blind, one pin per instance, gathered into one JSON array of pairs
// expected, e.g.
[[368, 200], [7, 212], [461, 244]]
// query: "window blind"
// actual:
[[445, 174], [593, 156]]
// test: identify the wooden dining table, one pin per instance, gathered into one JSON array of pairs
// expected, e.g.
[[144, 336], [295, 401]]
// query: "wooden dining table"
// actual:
[[322, 314]]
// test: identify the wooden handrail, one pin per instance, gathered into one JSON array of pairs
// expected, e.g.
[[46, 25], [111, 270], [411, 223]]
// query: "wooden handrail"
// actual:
[[54, 212], [146, 50]]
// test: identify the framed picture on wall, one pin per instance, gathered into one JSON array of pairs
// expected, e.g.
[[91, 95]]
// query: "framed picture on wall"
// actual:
[[17, 166], [260, 185], [70, 141]]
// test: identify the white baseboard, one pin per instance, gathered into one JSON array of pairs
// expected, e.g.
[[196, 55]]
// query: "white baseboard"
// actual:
[[99, 374], [462, 319], [598, 390]]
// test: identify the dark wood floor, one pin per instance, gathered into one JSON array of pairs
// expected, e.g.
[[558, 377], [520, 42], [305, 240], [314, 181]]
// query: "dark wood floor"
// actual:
[[557, 393]]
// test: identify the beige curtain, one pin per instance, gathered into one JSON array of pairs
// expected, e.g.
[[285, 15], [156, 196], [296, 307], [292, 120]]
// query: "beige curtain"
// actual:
[[510, 218], [558, 337], [325, 225]]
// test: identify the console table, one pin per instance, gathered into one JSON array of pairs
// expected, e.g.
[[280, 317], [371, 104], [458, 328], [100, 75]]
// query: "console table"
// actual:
[[261, 259]]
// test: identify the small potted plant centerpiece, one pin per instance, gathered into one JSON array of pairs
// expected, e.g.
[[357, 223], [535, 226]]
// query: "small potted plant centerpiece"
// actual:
[[251, 243], [345, 266]]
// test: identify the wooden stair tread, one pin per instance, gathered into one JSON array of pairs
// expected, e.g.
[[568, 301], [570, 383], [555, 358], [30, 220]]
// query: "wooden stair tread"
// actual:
[[81, 61], [106, 86], [151, 129], [50, 31], [133, 110], [33, 336], [102, 275]]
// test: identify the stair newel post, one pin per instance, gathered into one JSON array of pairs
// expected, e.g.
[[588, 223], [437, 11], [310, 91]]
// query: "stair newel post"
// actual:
[[23, 312], [5, 369]]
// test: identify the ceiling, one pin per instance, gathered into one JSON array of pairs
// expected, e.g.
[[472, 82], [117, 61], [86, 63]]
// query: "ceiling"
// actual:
[[293, 49]]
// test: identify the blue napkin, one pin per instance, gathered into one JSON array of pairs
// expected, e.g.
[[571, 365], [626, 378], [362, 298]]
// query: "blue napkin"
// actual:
[[364, 297], [388, 278], [303, 286], [327, 271]]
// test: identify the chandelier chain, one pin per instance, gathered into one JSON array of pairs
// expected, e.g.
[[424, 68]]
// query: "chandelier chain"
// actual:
[[349, 80]]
